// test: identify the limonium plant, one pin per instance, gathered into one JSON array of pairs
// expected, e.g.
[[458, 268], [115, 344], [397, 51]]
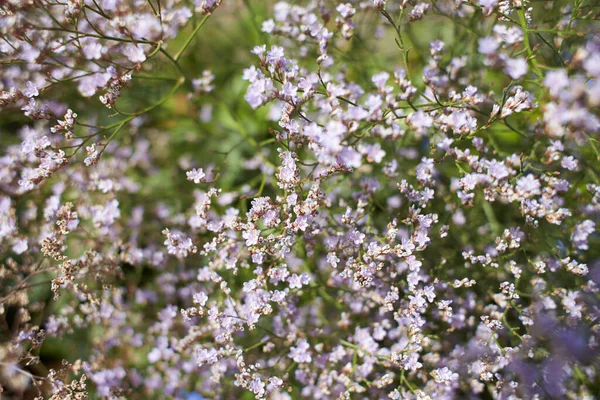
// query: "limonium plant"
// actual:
[[357, 199]]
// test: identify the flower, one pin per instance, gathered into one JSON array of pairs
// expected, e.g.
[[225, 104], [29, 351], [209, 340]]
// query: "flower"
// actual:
[[299, 353], [196, 175], [31, 90], [516, 67]]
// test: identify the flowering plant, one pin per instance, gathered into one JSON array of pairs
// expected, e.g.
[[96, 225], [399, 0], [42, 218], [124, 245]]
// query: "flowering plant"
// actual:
[[318, 199]]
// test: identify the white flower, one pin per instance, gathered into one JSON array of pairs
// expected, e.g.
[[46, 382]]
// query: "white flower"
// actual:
[[196, 175], [31, 90], [570, 163], [444, 375], [515, 67], [20, 246], [134, 53], [528, 186], [300, 353], [200, 298], [251, 235]]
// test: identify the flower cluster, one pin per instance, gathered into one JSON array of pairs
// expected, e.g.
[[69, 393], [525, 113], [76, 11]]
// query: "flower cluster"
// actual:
[[390, 199]]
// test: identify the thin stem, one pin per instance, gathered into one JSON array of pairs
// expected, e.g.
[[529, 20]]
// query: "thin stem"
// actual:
[[173, 61], [190, 38], [530, 55]]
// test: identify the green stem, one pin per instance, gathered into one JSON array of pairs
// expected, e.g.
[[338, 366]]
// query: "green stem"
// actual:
[[174, 61], [530, 55], [400, 41], [190, 38], [153, 106], [491, 217]]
